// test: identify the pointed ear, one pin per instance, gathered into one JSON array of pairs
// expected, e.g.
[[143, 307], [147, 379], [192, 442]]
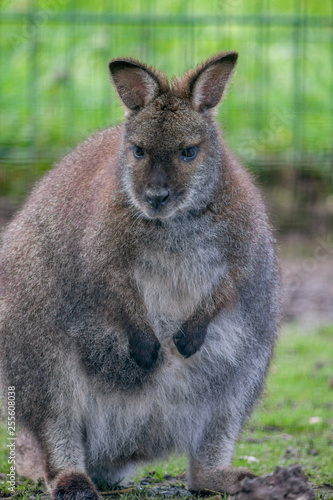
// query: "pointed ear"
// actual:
[[208, 82], [136, 84]]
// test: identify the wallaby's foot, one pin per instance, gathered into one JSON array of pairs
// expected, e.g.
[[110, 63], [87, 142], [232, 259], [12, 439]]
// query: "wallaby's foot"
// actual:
[[189, 342], [221, 479], [144, 349], [75, 486]]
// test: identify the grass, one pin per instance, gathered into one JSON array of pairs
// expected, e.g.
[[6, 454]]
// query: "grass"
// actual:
[[293, 423]]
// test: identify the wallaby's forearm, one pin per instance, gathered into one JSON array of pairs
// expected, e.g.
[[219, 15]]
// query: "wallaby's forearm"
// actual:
[[191, 335]]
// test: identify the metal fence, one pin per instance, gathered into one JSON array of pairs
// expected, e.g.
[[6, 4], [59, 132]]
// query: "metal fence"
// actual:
[[278, 116]]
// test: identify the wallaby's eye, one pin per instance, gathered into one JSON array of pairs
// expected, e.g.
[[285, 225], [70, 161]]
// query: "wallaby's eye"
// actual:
[[189, 153], [138, 152]]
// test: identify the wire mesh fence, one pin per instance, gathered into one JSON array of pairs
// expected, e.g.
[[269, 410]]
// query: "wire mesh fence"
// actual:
[[278, 116]]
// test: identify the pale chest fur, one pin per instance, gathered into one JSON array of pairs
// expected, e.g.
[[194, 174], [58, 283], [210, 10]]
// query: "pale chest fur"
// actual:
[[176, 272]]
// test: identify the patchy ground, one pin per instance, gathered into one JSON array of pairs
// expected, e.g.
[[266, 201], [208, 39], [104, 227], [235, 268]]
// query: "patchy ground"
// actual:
[[285, 483], [307, 270]]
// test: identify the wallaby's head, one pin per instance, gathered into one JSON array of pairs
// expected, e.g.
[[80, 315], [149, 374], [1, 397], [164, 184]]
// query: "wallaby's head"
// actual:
[[171, 153]]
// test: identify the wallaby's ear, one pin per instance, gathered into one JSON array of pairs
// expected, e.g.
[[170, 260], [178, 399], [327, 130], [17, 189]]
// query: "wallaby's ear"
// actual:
[[136, 84], [208, 82]]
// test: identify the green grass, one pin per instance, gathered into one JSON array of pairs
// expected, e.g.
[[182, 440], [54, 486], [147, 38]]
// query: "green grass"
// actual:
[[299, 388]]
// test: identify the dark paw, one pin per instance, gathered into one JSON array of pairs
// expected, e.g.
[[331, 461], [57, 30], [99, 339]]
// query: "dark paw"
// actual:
[[75, 486], [144, 350], [189, 344]]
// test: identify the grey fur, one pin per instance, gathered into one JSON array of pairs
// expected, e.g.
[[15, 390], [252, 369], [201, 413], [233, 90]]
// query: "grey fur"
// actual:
[[85, 252]]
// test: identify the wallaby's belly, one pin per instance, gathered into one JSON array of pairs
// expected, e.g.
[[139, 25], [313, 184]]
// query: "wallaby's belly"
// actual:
[[168, 411], [160, 416]]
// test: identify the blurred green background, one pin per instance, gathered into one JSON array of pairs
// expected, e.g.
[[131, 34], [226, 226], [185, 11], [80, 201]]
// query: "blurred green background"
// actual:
[[278, 116]]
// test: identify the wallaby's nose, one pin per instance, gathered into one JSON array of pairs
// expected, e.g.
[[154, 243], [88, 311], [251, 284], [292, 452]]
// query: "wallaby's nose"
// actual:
[[157, 197]]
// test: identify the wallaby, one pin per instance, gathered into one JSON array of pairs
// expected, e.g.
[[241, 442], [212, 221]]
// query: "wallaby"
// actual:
[[140, 293]]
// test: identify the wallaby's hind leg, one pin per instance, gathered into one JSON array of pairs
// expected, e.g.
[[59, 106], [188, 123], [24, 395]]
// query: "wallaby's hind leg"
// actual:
[[64, 461], [221, 479], [66, 481], [210, 461]]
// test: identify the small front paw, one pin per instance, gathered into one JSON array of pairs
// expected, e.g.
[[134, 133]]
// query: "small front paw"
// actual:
[[189, 344], [144, 350]]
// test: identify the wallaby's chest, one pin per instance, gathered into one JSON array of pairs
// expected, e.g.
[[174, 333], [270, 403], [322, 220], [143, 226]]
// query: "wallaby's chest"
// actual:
[[175, 271]]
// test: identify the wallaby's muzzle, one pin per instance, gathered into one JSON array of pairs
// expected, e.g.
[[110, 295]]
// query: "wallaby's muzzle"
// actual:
[[157, 197]]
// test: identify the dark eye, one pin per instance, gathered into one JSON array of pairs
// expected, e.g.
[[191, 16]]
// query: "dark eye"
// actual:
[[138, 152], [189, 153]]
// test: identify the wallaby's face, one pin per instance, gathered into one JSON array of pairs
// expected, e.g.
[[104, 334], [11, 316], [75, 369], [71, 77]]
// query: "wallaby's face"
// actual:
[[171, 154], [164, 156]]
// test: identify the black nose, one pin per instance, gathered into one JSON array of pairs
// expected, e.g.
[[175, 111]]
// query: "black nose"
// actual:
[[157, 197]]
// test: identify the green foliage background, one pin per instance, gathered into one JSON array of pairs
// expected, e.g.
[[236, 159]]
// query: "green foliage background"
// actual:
[[55, 87]]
